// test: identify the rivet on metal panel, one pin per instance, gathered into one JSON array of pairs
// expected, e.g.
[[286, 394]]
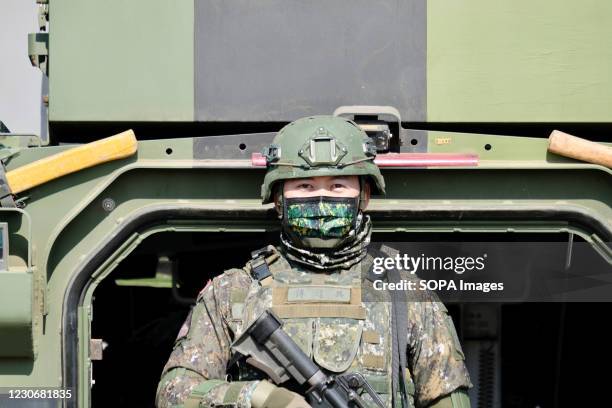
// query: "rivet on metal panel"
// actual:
[[108, 204]]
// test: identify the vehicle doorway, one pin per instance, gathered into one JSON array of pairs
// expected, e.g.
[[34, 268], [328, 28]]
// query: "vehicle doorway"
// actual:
[[518, 354]]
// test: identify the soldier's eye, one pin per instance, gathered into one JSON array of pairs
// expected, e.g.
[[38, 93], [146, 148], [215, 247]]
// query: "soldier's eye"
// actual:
[[305, 186], [337, 186]]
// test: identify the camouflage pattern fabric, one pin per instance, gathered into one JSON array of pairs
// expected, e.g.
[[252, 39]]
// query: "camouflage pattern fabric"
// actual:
[[202, 351], [352, 251], [434, 353], [320, 217]]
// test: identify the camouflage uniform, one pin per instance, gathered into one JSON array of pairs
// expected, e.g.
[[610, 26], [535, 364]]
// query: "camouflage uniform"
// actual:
[[315, 287], [339, 336]]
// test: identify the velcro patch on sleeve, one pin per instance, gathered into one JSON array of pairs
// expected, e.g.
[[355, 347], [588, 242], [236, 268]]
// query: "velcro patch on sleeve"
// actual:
[[237, 309]]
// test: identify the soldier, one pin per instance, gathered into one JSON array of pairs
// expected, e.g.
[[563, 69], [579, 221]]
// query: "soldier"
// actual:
[[320, 174]]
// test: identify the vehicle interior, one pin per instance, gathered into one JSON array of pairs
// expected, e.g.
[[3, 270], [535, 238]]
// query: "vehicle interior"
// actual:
[[519, 354]]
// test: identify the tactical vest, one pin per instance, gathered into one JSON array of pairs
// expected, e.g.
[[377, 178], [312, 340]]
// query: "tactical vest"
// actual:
[[323, 313]]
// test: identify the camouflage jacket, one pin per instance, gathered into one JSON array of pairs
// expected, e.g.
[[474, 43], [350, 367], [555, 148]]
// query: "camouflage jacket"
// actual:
[[324, 315]]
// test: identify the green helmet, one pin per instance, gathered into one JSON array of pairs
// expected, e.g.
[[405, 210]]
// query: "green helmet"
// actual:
[[320, 146]]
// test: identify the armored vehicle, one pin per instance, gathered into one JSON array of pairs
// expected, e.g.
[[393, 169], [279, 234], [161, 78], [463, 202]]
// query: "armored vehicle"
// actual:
[[105, 243]]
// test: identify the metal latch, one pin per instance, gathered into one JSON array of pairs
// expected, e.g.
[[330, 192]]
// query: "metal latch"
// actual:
[[38, 50], [379, 132], [375, 120], [38, 43]]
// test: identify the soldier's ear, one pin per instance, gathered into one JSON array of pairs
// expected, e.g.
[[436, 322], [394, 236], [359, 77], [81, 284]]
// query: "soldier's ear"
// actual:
[[278, 201]]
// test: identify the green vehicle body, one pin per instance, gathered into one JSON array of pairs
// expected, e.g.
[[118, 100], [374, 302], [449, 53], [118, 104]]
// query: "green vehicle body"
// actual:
[[482, 64]]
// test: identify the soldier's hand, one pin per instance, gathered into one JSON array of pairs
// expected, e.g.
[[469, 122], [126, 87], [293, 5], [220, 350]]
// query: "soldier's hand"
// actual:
[[268, 395]]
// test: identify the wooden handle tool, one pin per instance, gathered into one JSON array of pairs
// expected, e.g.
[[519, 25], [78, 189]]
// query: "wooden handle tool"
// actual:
[[111, 148], [581, 149]]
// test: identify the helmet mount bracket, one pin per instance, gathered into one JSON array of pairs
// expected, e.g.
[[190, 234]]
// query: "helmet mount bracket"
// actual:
[[322, 149]]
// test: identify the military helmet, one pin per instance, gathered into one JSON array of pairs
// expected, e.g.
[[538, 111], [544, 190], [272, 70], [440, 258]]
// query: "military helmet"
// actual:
[[320, 146]]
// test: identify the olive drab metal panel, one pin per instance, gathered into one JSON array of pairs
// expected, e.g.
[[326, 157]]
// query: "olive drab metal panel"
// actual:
[[20, 299], [276, 61], [121, 61]]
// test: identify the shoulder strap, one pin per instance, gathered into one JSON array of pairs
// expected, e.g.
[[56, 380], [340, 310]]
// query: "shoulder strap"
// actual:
[[260, 269], [399, 335]]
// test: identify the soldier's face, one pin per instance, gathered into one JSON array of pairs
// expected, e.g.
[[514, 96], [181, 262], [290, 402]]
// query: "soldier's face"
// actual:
[[331, 186]]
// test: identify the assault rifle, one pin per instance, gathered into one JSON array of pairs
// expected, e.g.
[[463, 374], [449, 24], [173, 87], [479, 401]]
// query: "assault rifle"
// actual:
[[268, 348]]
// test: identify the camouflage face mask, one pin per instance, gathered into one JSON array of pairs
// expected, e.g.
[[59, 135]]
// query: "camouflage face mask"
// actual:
[[319, 222]]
